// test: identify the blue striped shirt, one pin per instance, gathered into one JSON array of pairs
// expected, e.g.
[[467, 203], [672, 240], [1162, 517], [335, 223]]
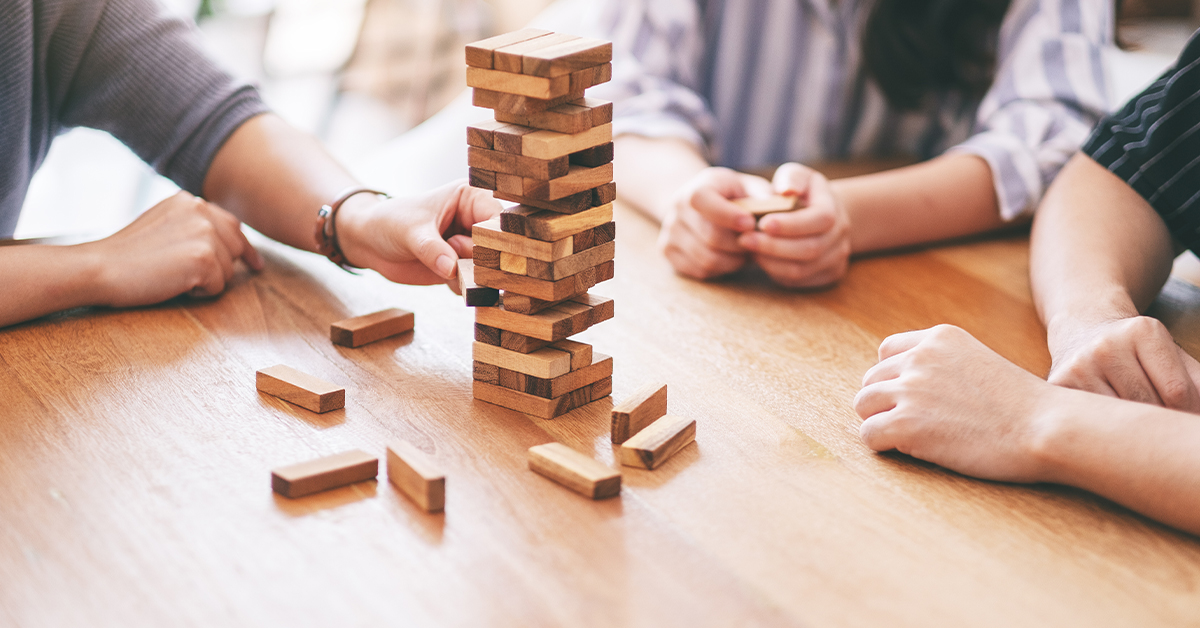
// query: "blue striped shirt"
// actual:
[[753, 83]]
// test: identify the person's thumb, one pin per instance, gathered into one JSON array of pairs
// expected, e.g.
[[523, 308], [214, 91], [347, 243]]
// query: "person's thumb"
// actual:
[[427, 245]]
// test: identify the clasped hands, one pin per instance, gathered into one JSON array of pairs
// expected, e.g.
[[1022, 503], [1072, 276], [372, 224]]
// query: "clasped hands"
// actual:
[[705, 235]]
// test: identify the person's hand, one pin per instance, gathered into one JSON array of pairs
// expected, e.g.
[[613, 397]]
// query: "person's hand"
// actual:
[[700, 231], [1132, 358], [804, 248], [414, 240], [942, 396], [182, 245]]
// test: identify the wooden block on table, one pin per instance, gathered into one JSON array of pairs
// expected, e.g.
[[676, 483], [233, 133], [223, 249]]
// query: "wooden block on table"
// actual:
[[483, 179], [549, 144], [411, 470], [658, 441], [546, 363], [645, 405], [479, 54], [575, 471], [578, 179], [594, 156], [510, 58], [513, 341], [572, 264], [761, 206], [540, 288], [520, 165], [322, 474], [573, 204], [537, 406], [559, 322], [488, 234], [549, 388], [566, 57], [474, 295], [576, 116], [551, 226], [519, 84], [485, 257], [360, 330], [482, 134], [302, 389]]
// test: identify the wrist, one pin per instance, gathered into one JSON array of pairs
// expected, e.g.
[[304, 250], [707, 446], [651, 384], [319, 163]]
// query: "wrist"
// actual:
[[93, 278], [1054, 433], [353, 227], [1071, 321]]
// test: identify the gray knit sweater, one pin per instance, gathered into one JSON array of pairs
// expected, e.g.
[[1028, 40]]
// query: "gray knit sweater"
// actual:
[[121, 66]]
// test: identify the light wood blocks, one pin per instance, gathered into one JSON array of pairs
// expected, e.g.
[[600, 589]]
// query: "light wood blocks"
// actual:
[[575, 470], [302, 389], [360, 330], [658, 441], [322, 474], [416, 475], [645, 405]]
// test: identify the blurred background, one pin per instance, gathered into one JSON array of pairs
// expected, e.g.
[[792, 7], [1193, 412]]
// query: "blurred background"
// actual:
[[382, 83]]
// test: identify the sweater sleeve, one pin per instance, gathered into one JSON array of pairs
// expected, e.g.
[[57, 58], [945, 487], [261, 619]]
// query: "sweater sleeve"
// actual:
[[144, 78]]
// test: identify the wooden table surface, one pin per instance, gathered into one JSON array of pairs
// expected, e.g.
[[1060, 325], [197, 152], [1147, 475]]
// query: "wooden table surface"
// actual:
[[135, 458]]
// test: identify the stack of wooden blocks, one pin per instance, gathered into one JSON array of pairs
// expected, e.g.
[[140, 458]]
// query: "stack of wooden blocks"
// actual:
[[550, 149]]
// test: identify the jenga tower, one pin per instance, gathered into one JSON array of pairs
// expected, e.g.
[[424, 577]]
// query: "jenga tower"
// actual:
[[549, 149]]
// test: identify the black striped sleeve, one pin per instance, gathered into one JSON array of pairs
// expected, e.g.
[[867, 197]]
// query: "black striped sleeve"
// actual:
[[1153, 143]]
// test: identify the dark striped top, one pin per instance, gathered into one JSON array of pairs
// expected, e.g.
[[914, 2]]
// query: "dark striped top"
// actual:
[[1153, 143], [121, 66]]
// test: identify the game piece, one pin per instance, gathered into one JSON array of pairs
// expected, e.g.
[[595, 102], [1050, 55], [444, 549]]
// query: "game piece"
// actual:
[[550, 226], [485, 257], [600, 368], [520, 165], [573, 204], [577, 179], [474, 294], [509, 340], [482, 135], [658, 441], [571, 264], [479, 54], [489, 235], [546, 363], [537, 406], [575, 471], [576, 116], [484, 179], [581, 353], [559, 322], [639, 410], [760, 207], [322, 474], [519, 84], [540, 288], [594, 156], [550, 144], [510, 58], [411, 470], [566, 57], [360, 330], [302, 389]]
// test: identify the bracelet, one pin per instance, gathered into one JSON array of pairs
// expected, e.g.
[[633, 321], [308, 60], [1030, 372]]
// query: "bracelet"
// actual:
[[326, 228]]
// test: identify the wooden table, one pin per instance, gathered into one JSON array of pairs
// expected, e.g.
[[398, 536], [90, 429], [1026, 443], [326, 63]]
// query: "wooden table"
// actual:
[[135, 457]]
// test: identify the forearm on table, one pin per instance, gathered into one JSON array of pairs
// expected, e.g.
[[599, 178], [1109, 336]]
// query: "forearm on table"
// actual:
[[946, 197], [650, 171], [1136, 454], [40, 280], [275, 178], [1098, 250]]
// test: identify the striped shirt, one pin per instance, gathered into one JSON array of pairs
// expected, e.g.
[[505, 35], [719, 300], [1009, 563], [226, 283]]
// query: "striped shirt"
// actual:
[[1153, 143], [752, 83]]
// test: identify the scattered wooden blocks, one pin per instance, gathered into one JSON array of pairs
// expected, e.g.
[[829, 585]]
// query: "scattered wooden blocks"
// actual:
[[302, 389], [473, 294], [360, 330], [575, 471], [325, 473], [416, 476], [760, 207], [639, 410], [658, 441]]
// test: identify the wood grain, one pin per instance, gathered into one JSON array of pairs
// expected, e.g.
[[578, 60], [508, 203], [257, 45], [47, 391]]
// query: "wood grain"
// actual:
[[416, 475], [567, 266], [637, 411], [657, 442], [519, 84], [511, 58], [302, 389], [519, 165], [566, 57], [575, 470], [474, 295], [537, 406], [360, 330], [322, 474], [551, 226], [554, 324], [546, 363], [540, 288], [575, 203], [544, 144], [479, 54], [571, 117]]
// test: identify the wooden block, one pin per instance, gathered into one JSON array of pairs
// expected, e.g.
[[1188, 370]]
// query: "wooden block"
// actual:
[[578, 179], [551, 226], [474, 295], [658, 441], [516, 264], [509, 183], [554, 324], [549, 388], [519, 84], [575, 471], [524, 304], [519, 165], [573, 204], [508, 138], [590, 77], [481, 134], [645, 405], [515, 342], [551, 144], [411, 470], [594, 156], [581, 353], [538, 288], [517, 104], [537, 406], [302, 389], [488, 258], [484, 372], [510, 58], [322, 474], [769, 205], [358, 331], [479, 54], [571, 264], [489, 235], [566, 57], [576, 116], [546, 363], [482, 179], [604, 194]]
